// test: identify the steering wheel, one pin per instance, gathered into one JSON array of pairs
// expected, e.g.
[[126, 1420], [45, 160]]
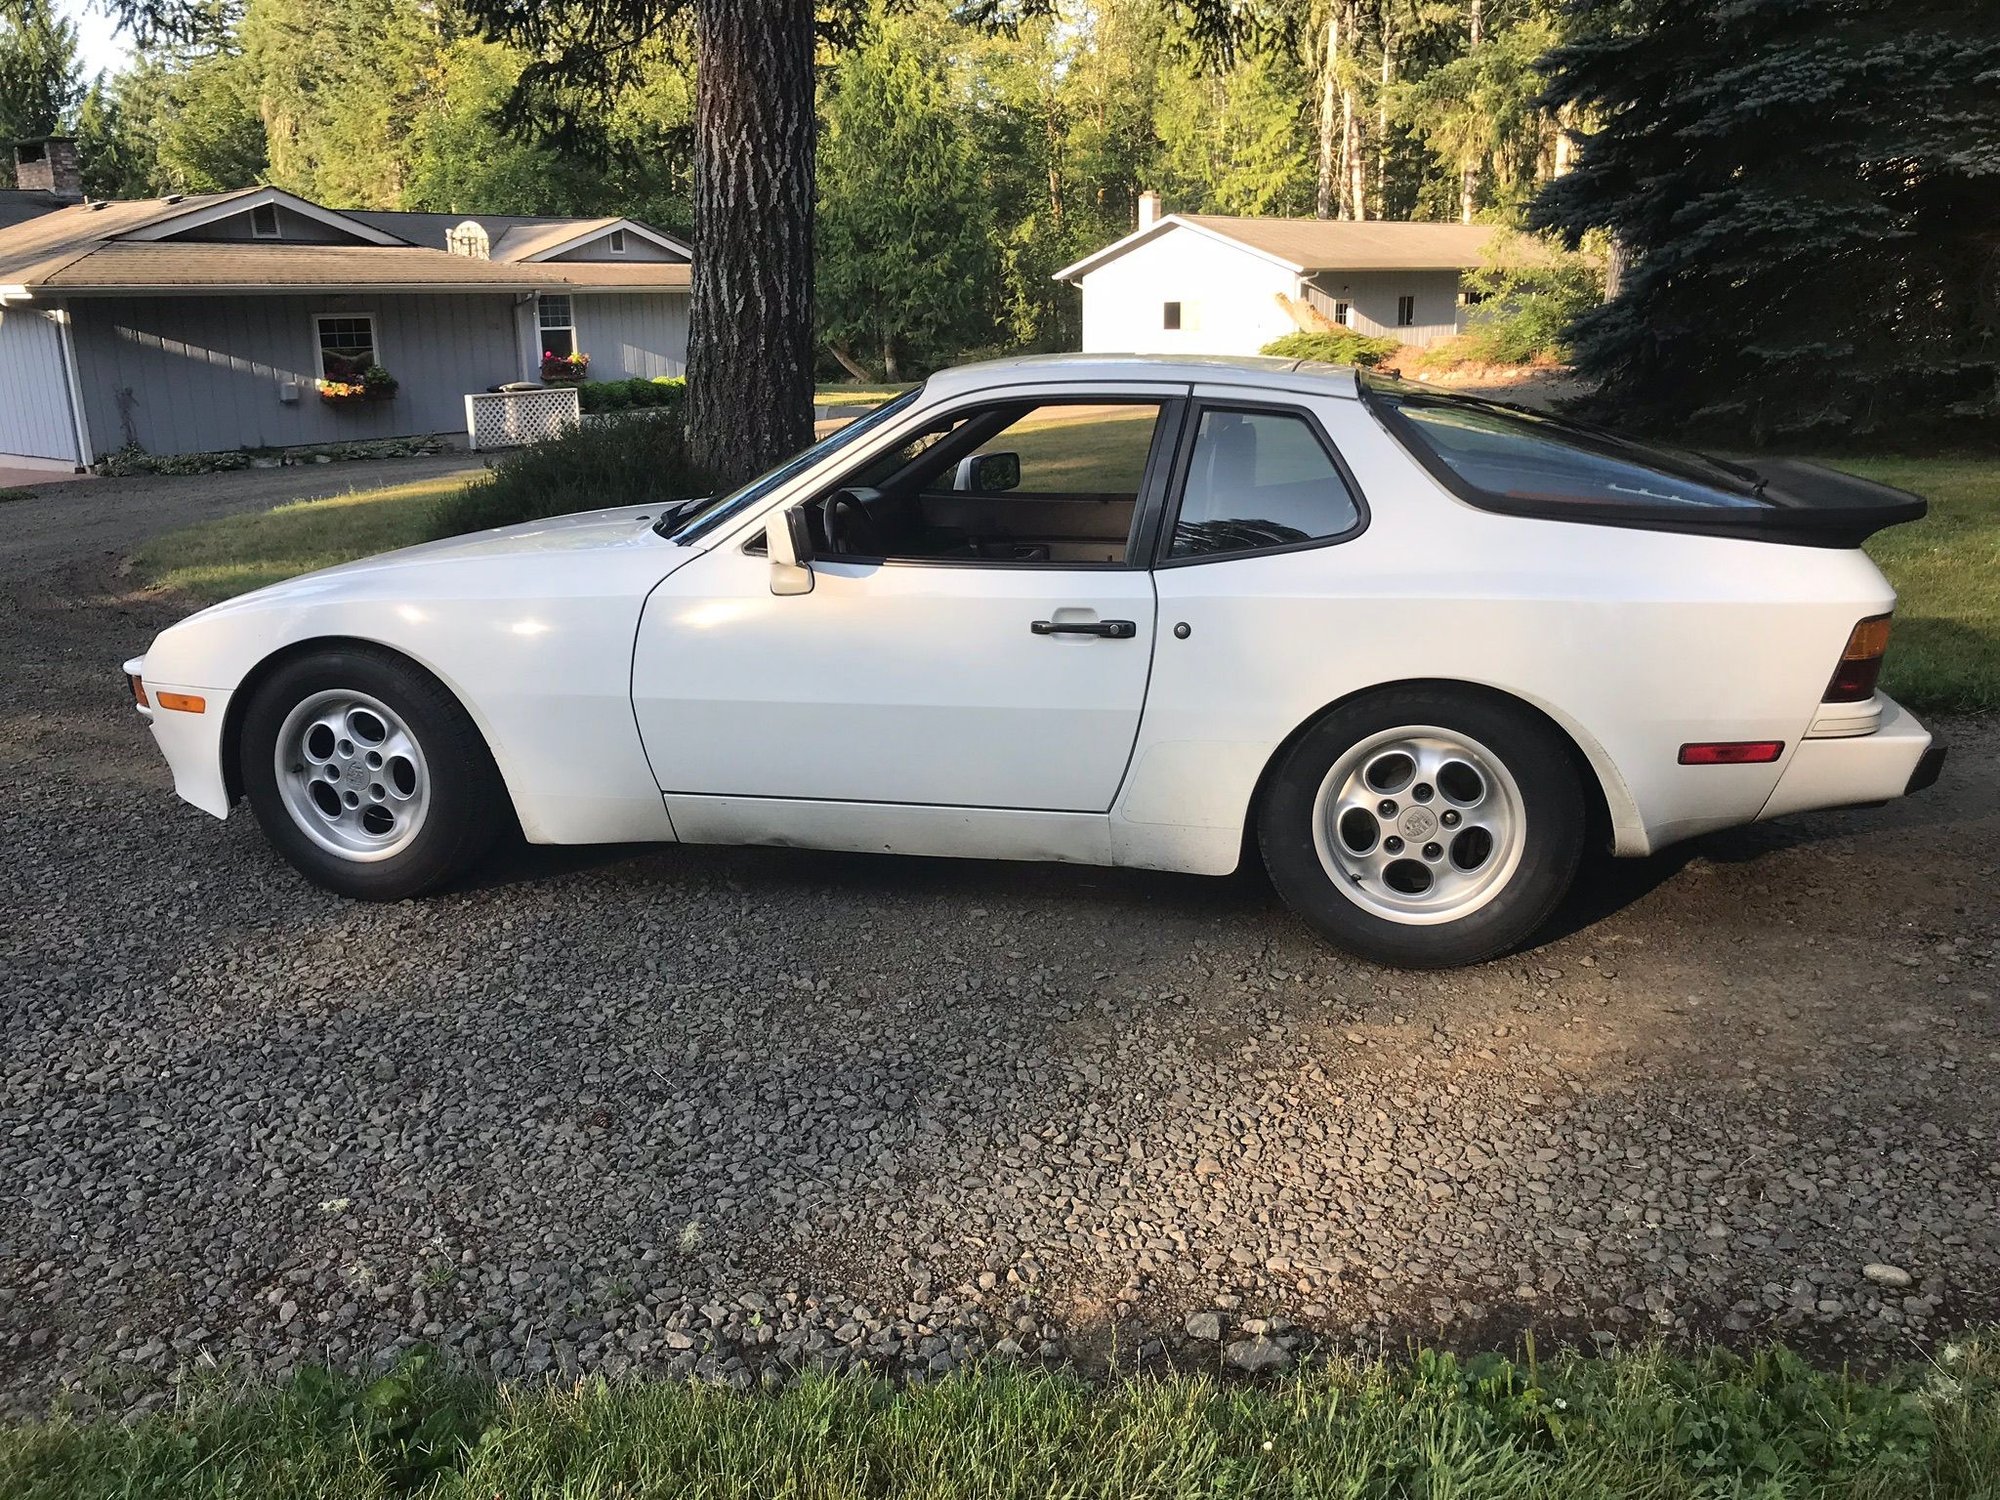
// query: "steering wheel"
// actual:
[[849, 527]]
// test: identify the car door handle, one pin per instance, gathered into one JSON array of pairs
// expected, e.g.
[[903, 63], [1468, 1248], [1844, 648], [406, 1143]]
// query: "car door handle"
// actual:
[[1117, 630]]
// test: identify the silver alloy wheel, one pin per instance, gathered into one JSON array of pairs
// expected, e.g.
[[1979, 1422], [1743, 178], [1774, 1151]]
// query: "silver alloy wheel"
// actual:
[[1420, 825], [352, 775]]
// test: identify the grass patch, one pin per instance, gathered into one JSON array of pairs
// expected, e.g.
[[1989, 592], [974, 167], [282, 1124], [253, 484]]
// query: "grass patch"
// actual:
[[1945, 653], [17, 494], [218, 559], [1631, 1424], [857, 392]]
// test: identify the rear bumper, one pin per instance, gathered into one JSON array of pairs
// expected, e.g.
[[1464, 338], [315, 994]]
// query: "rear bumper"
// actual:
[[1895, 759]]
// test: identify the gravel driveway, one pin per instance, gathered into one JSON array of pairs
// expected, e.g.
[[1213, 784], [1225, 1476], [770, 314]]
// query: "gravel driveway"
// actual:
[[696, 1110]]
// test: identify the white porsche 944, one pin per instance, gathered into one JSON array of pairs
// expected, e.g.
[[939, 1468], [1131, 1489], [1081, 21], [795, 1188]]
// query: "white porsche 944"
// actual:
[[1417, 651]]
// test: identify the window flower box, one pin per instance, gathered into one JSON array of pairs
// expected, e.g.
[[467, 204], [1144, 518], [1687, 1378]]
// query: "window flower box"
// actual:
[[356, 388], [564, 369]]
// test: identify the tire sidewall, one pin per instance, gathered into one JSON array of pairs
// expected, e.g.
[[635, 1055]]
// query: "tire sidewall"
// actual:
[[458, 793], [1551, 796]]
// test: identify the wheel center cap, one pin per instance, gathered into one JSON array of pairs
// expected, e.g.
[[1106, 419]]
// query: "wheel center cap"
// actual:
[[357, 773], [1419, 823]]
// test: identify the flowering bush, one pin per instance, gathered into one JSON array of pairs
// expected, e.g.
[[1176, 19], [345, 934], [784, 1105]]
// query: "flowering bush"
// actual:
[[564, 366]]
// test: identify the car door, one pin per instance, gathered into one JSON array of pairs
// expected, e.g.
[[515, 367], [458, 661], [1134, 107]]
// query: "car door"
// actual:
[[997, 677]]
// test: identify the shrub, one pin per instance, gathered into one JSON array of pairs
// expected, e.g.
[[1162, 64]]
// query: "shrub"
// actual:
[[1529, 307], [1339, 346], [588, 468], [635, 394]]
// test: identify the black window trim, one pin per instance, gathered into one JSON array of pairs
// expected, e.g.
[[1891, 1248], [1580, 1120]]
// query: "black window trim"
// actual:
[[1184, 460], [1161, 459]]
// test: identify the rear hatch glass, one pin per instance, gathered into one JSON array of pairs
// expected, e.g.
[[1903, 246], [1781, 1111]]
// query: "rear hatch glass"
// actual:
[[1508, 458]]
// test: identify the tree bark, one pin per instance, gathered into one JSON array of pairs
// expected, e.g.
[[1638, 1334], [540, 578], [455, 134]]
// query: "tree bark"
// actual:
[[1468, 177], [1382, 114], [1354, 132], [750, 345], [1326, 198]]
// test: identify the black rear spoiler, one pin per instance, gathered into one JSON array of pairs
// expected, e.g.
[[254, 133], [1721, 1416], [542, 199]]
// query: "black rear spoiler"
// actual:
[[1824, 507]]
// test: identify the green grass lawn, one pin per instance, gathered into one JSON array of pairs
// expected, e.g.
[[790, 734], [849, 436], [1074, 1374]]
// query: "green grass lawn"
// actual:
[[218, 559], [1944, 653], [1617, 1428]]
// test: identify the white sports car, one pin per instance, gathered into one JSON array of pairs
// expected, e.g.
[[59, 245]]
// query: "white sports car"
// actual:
[[1417, 649]]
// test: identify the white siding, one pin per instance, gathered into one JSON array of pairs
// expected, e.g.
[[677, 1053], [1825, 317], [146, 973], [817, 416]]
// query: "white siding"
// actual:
[[1228, 297], [632, 333], [34, 390], [1373, 296], [202, 374]]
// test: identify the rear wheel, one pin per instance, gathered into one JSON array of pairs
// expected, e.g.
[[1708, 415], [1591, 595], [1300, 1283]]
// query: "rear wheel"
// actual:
[[368, 776], [1424, 827]]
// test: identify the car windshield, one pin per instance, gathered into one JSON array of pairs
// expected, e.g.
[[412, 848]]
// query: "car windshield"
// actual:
[[695, 519], [1513, 454]]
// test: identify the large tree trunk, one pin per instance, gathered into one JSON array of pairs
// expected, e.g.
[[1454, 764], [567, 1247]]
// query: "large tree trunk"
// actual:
[[750, 346], [1468, 177], [1326, 200], [1354, 130]]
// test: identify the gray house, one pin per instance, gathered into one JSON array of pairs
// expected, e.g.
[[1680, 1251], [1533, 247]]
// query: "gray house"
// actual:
[[215, 321]]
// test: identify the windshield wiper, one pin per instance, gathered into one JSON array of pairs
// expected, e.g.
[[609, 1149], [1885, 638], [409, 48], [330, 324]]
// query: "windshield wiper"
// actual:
[[672, 515]]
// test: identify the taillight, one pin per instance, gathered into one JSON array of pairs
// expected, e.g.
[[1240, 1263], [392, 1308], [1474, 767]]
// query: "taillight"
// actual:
[[1861, 663]]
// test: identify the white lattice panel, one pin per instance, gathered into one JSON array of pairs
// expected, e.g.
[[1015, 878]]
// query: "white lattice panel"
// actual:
[[507, 419]]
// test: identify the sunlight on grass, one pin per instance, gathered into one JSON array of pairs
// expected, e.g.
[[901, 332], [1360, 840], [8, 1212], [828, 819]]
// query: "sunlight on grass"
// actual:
[[1945, 651], [218, 559]]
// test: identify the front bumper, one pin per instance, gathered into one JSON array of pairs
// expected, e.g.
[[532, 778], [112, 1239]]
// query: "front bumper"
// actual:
[[191, 741], [1893, 760]]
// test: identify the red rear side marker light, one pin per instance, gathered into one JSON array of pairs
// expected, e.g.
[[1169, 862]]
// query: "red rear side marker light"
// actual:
[[1861, 663], [1732, 753]]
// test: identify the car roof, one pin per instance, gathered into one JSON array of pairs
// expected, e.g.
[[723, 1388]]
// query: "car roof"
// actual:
[[1206, 369]]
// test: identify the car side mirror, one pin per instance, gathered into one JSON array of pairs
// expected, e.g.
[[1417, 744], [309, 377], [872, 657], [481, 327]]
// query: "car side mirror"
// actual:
[[788, 540], [988, 473]]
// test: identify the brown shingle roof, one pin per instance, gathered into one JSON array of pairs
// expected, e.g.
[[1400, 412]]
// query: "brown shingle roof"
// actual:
[[1364, 245], [1311, 245], [30, 251], [71, 265]]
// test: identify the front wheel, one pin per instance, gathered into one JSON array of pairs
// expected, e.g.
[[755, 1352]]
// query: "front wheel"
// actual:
[[368, 776], [1424, 827]]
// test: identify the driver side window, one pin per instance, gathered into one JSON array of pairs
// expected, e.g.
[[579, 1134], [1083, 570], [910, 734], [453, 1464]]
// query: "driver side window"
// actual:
[[1023, 482]]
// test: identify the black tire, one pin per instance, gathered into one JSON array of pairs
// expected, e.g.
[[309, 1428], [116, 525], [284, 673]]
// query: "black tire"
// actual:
[[467, 806], [1551, 798]]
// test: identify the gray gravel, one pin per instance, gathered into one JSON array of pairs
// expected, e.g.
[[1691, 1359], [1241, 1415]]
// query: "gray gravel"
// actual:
[[730, 1113]]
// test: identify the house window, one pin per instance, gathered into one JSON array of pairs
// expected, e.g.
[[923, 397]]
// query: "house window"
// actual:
[[1406, 312], [1343, 314], [469, 239], [615, 242], [558, 323], [346, 344], [1170, 315], [1471, 298], [264, 221]]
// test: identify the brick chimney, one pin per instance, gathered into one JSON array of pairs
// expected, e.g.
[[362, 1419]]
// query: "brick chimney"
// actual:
[[48, 165], [1149, 209]]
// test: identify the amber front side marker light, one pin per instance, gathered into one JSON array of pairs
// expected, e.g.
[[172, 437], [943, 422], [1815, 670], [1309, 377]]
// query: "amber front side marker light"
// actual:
[[139, 692], [186, 703]]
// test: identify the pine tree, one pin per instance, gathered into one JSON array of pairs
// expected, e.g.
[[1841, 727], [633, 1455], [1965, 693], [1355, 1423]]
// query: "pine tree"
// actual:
[[1803, 194]]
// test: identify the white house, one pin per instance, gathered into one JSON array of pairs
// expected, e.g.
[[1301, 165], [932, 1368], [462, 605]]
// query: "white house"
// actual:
[[1212, 284]]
